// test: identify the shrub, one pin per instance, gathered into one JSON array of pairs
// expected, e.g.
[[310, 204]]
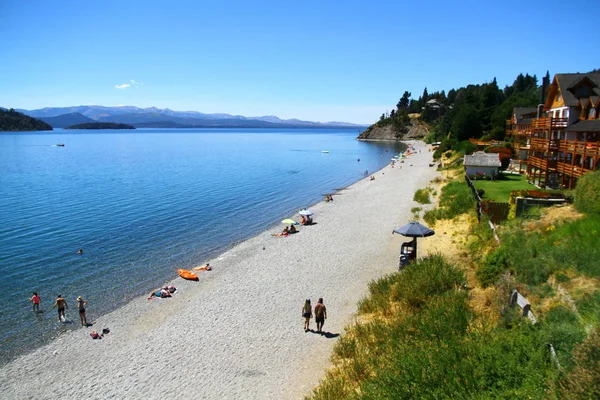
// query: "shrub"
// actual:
[[582, 382], [492, 267], [587, 193], [422, 196], [448, 154]]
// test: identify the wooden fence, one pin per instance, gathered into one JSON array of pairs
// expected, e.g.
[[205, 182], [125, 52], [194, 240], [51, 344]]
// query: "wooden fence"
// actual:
[[497, 212]]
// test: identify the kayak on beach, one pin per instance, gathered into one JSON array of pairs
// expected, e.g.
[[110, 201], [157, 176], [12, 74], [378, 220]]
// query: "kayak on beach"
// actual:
[[186, 274]]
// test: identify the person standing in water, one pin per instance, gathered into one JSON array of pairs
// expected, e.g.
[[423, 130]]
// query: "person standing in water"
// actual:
[[307, 314], [81, 303], [35, 301], [320, 314], [62, 306]]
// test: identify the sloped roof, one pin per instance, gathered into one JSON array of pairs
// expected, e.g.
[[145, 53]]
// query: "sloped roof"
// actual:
[[567, 82], [592, 125], [481, 159], [520, 112]]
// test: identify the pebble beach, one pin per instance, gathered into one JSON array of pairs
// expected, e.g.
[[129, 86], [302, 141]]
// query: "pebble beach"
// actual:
[[238, 332]]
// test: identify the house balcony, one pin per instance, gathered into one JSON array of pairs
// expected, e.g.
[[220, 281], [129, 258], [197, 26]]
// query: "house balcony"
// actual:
[[545, 144], [548, 123], [580, 147], [571, 170]]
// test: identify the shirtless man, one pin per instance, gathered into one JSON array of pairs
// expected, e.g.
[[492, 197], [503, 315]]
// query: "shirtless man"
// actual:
[[62, 306]]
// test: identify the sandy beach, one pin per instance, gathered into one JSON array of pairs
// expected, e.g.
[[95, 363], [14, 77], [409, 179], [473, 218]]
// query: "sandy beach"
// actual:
[[238, 332]]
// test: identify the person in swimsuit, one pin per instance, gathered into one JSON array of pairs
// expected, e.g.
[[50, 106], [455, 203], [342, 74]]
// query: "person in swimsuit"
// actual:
[[36, 300], [307, 314], [62, 306], [81, 303]]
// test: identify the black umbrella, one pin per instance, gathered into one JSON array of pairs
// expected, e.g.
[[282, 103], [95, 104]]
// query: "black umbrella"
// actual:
[[413, 229]]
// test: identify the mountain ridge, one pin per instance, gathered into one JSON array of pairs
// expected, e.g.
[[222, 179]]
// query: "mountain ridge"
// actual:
[[156, 117]]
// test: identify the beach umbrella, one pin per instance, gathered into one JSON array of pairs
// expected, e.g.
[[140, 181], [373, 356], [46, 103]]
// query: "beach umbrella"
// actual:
[[414, 229], [288, 221], [306, 212]]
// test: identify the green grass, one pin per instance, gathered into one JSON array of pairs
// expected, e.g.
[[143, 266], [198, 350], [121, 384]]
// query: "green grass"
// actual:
[[424, 348], [499, 190], [456, 198], [422, 196]]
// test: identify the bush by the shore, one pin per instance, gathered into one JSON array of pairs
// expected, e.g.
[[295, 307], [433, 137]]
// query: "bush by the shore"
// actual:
[[587, 193]]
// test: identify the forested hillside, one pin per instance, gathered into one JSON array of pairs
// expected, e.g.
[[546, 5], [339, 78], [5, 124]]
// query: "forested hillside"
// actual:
[[11, 120], [474, 111]]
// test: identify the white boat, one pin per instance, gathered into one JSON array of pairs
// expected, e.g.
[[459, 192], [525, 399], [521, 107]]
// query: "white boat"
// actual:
[[324, 151]]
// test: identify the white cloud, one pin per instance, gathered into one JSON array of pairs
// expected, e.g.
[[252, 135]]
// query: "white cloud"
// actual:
[[135, 83], [123, 86]]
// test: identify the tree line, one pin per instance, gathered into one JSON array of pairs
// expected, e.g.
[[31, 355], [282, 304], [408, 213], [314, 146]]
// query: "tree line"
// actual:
[[11, 120], [474, 111]]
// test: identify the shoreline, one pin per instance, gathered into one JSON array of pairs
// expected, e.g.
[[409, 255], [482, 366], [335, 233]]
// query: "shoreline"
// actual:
[[238, 332]]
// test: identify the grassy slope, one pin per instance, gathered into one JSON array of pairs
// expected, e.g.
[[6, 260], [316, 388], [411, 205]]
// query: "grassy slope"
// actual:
[[421, 335]]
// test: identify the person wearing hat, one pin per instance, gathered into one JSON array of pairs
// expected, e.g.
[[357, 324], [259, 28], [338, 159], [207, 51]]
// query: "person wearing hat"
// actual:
[[81, 303]]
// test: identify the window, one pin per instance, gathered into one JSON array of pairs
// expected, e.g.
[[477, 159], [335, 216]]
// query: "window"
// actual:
[[592, 113], [558, 96]]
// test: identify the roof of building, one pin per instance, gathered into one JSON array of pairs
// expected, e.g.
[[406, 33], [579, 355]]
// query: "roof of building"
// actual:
[[521, 112], [481, 159], [592, 125], [568, 82]]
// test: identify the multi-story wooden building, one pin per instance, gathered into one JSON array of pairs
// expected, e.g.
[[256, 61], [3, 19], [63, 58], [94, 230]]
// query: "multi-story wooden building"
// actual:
[[563, 143]]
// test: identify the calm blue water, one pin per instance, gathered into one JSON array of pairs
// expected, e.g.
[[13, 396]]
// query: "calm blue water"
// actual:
[[144, 203]]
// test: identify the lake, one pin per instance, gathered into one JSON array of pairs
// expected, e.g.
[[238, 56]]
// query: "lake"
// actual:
[[143, 203]]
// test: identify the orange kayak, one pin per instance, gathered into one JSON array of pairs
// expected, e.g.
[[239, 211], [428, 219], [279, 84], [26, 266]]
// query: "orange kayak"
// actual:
[[186, 274]]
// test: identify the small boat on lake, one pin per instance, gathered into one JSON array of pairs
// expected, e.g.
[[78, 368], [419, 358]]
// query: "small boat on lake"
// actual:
[[187, 274], [60, 145], [324, 151]]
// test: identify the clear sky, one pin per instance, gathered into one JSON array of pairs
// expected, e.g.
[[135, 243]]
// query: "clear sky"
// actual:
[[313, 60]]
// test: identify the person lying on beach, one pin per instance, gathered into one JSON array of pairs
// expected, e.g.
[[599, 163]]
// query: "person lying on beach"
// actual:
[[207, 267], [286, 232]]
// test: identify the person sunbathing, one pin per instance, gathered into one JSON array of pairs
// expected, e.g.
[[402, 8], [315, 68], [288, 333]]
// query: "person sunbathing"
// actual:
[[292, 229], [207, 267]]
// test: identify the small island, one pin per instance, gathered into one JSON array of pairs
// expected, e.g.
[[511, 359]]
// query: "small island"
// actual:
[[100, 125]]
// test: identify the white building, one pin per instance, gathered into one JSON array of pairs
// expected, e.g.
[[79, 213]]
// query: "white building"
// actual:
[[482, 163]]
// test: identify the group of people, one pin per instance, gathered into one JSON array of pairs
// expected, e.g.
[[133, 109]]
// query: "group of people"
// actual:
[[328, 198], [305, 220], [163, 292], [62, 306], [320, 313]]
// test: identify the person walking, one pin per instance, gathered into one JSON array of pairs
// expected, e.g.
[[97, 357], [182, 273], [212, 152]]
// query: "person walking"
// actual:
[[62, 306], [35, 301], [320, 314], [81, 303], [307, 314]]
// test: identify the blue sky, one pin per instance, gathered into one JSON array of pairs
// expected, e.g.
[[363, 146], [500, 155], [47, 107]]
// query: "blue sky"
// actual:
[[313, 60]]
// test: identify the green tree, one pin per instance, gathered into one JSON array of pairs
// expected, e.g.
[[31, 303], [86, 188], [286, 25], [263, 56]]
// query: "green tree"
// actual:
[[404, 101], [467, 124]]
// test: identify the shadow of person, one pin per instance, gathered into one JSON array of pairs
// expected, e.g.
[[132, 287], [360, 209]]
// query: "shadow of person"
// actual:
[[88, 324], [330, 335]]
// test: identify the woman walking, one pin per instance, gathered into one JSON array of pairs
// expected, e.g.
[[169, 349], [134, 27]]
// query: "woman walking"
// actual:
[[307, 314], [81, 303]]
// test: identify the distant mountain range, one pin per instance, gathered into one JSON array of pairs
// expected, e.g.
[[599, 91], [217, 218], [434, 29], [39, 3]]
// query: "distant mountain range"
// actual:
[[60, 117]]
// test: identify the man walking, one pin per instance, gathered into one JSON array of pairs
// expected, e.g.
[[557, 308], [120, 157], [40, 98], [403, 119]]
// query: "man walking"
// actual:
[[320, 314], [62, 306]]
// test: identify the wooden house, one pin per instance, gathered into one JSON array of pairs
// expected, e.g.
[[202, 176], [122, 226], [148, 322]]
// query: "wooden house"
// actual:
[[563, 143]]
